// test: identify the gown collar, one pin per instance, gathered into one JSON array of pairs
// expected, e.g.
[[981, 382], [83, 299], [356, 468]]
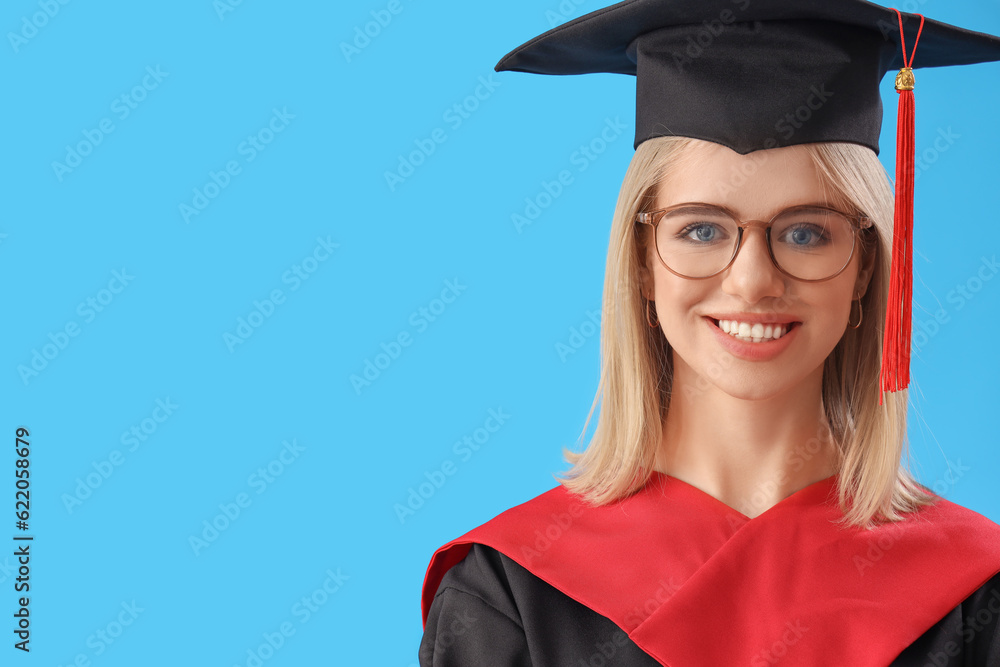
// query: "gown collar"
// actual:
[[817, 492], [692, 581]]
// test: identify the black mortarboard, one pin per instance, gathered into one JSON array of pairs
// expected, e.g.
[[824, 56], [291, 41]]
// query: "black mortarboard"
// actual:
[[758, 74]]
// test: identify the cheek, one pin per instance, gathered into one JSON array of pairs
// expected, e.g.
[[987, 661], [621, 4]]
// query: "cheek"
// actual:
[[677, 300], [839, 298], [671, 292], [830, 310]]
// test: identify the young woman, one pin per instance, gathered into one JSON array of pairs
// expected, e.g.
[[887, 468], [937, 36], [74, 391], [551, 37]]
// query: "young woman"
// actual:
[[743, 499]]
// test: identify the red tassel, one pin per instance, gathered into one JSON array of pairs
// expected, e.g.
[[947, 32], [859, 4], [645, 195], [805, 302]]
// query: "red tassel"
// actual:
[[895, 371]]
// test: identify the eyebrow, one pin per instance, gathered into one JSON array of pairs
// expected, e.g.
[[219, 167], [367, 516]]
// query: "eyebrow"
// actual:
[[703, 207], [699, 208]]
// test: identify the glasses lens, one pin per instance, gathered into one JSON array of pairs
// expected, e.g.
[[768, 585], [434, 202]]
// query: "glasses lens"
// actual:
[[812, 243], [808, 243], [696, 241]]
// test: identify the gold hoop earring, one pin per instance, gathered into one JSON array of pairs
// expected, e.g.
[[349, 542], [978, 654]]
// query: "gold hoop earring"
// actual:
[[651, 324], [860, 314]]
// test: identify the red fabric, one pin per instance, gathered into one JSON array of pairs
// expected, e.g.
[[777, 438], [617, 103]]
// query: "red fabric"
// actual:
[[694, 582], [895, 371]]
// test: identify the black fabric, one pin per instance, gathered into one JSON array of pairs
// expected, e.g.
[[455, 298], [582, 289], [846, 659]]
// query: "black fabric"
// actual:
[[491, 612], [749, 102], [751, 74]]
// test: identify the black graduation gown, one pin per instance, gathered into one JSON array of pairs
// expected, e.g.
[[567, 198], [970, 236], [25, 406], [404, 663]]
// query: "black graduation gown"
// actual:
[[491, 612], [671, 576]]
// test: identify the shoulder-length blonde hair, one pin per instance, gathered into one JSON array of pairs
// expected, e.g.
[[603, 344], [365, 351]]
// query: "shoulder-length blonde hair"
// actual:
[[636, 375]]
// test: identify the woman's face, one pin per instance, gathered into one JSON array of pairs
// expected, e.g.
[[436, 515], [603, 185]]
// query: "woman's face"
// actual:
[[755, 187]]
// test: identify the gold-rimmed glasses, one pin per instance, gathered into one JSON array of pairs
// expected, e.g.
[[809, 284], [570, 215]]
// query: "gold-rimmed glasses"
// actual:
[[809, 242]]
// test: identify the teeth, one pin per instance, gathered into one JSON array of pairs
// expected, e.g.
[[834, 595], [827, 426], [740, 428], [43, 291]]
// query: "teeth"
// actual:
[[755, 332]]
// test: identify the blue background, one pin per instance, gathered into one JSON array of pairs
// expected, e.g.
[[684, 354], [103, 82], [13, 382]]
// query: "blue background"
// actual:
[[124, 538]]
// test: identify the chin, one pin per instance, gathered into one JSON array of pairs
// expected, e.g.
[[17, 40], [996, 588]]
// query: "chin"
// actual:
[[752, 392], [752, 385]]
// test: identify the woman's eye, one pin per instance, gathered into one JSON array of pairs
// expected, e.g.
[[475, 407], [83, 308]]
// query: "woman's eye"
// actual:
[[701, 232], [803, 236]]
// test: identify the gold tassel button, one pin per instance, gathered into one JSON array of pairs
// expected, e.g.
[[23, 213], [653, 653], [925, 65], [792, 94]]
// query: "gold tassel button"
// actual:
[[905, 80]]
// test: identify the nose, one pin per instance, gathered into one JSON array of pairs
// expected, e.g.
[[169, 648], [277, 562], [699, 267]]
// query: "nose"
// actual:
[[753, 276]]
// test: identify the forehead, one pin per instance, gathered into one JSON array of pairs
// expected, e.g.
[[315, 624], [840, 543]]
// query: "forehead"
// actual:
[[754, 185]]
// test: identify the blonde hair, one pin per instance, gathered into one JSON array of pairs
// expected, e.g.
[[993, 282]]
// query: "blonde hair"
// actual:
[[636, 375]]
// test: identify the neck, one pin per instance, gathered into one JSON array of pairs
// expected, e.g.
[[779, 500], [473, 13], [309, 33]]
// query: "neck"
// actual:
[[749, 454]]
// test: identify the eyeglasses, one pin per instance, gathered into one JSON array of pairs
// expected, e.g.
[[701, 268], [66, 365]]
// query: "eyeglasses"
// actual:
[[808, 243]]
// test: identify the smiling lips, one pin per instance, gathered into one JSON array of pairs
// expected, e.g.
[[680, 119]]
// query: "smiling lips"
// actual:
[[756, 332], [752, 347]]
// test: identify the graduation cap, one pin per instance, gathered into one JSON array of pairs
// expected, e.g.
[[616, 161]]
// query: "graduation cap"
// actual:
[[759, 74]]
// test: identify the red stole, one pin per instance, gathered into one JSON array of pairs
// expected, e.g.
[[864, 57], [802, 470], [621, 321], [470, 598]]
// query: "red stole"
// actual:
[[694, 582]]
